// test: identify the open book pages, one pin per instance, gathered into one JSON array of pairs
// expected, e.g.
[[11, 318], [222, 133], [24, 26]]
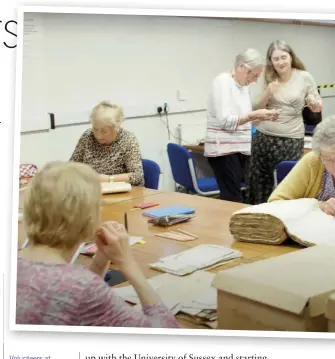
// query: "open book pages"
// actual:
[[115, 187], [272, 223], [194, 285], [196, 258]]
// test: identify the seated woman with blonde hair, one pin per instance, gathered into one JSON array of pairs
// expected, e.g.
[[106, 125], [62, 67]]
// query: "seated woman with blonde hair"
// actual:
[[109, 149], [61, 213], [314, 175]]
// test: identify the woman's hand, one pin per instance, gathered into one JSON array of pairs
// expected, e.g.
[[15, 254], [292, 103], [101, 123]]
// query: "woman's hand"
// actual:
[[122, 177], [104, 178], [265, 115], [328, 207], [112, 240], [313, 104], [100, 263], [257, 116]]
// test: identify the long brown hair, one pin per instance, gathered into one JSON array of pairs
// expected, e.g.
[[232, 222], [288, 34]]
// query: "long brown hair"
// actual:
[[270, 73]]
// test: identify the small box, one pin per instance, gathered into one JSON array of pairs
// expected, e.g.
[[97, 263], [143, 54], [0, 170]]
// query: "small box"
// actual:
[[330, 313], [284, 293]]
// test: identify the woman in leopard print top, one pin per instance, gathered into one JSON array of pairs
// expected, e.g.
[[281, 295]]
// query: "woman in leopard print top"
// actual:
[[109, 149]]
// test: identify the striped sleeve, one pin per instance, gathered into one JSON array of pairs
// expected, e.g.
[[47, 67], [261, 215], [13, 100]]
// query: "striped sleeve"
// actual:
[[101, 306]]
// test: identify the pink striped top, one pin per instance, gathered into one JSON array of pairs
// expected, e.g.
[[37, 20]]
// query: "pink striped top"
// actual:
[[227, 102], [66, 294]]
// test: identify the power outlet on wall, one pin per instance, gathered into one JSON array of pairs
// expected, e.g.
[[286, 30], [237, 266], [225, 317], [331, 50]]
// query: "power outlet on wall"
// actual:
[[162, 109]]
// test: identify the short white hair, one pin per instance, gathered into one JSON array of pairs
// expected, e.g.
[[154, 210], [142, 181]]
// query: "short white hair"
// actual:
[[250, 57], [324, 136], [107, 114]]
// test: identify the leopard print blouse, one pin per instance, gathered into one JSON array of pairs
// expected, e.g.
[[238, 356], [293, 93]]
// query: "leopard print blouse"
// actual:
[[122, 156]]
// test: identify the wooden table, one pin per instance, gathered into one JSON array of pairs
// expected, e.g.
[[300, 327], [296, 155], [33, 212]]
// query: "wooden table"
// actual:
[[210, 224], [136, 192], [202, 167], [200, 148], [197, 148]]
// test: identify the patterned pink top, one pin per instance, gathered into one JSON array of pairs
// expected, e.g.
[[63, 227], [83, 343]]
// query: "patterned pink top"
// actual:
[[66, 294]]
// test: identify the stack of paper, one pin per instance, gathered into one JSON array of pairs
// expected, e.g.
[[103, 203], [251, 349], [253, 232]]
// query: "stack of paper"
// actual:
[[196, 258], [274, 222], [191, 295], [201, 308]]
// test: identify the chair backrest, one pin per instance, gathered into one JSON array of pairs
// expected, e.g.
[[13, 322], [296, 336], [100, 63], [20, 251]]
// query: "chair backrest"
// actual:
[[28, 170], [282, 170], [179, 157], [151, 174]]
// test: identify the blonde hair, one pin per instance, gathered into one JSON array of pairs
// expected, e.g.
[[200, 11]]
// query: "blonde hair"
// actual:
[[107, 114], [324, 136], [62, 205], [270, 73], [250, 57]]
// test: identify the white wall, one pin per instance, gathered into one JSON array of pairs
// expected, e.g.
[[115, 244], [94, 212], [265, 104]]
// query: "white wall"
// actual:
[[177, 53], [152, 134]]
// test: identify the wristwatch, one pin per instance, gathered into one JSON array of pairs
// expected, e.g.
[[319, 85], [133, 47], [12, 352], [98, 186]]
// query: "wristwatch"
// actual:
[[111, 178]]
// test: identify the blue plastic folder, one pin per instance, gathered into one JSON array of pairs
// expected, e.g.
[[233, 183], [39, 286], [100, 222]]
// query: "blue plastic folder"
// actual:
[[165, 211]]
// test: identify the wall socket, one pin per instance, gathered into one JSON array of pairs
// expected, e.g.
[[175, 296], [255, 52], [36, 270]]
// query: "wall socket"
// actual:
[[162, 108]]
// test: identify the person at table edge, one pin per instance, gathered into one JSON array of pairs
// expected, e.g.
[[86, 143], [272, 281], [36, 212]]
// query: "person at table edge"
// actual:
[[109, 149], [314, 175], [62, 208]]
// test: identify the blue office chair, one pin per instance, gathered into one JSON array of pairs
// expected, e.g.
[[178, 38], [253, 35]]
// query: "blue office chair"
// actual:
[[151, 174], [183, 171], [282, 169]]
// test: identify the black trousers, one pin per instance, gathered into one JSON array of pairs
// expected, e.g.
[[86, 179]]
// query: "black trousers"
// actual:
[[266, 152], [230, 172]]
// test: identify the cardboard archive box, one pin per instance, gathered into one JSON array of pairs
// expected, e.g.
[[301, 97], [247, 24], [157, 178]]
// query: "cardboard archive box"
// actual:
[[284, 293], [330, 313]]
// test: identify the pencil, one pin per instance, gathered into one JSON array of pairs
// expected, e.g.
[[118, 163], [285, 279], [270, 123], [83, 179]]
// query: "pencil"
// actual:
[[126, 221]]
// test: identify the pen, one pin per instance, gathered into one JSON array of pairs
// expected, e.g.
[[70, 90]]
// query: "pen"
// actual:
[[126, 221]]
